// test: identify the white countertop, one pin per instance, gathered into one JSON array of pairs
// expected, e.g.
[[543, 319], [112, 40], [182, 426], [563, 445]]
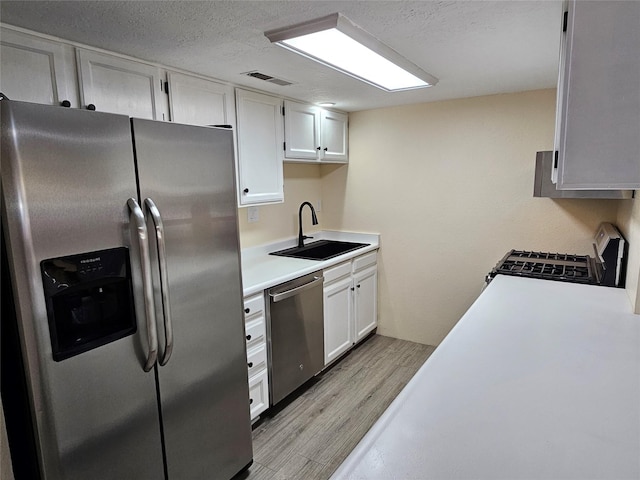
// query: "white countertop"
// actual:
[[538, 380], [261, 270]]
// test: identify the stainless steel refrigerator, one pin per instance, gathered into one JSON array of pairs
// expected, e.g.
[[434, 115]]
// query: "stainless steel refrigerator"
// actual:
[[121, 249]]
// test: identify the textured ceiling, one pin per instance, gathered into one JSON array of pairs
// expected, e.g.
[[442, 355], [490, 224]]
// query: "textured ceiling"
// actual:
[[473, 47]]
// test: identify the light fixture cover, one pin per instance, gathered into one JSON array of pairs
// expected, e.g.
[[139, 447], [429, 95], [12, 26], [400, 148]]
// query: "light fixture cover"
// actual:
[[337, 43]]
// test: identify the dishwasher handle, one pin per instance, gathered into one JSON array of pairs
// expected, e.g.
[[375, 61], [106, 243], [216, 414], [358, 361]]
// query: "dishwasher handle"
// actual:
[[278, 296]]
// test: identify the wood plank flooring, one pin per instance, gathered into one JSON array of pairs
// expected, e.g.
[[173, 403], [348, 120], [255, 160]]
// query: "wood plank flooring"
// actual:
[[309, 437]]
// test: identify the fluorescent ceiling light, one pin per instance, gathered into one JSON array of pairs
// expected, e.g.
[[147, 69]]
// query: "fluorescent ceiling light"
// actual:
[[337, 43]]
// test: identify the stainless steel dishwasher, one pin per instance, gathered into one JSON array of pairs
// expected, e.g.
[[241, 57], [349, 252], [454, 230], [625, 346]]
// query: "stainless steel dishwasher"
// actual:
[[295, 334]]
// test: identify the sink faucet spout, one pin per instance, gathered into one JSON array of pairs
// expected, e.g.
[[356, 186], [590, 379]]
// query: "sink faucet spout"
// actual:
[[314, 220]]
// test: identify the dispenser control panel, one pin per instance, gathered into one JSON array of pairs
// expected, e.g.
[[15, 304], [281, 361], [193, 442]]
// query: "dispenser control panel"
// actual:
[[89, 298]]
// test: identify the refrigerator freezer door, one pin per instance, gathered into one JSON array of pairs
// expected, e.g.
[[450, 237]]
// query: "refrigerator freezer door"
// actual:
[[188, 172], [66, 178]]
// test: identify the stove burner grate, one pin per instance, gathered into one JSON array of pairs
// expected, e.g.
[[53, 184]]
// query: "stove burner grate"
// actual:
[[551, 266]]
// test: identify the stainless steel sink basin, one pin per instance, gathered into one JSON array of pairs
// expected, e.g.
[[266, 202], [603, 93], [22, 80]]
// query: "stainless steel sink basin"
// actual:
[[320, 250]]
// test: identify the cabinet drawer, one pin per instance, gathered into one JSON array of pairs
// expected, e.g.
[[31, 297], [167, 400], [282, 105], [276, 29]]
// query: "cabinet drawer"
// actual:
[[257, 359], [339, 271], [253, 305], [258, 393], [365, 260], [255, 332]]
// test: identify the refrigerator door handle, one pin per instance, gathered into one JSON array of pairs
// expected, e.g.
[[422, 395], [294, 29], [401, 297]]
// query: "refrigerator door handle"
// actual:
[[147, 286], [164, 279]]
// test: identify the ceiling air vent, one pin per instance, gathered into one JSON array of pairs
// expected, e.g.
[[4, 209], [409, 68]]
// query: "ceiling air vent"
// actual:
[[268, 78]]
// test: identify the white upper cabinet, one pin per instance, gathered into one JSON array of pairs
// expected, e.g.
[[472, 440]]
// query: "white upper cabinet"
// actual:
[[314, 135], [302, 131], [335, 136], [116, 85], [196, 101], [36, 70], [260, 152], [598, 114]]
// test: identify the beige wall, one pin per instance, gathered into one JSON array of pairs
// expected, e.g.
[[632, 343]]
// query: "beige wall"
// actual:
[[449, 186], [301, 183], [629, 223]]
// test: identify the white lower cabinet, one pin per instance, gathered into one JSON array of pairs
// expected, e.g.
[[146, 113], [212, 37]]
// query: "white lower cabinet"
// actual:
[[365, 305], [350, 304], [255, 331], [258, 394]]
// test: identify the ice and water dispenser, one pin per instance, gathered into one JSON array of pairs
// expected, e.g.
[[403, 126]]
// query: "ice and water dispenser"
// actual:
[[89, 300]]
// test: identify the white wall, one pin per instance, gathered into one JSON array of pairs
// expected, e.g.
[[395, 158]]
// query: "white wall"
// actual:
[[629, 223], [449, 186]]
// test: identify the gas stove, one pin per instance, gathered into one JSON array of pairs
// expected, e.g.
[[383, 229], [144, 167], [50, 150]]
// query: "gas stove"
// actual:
[[606, 268], [549, 266]]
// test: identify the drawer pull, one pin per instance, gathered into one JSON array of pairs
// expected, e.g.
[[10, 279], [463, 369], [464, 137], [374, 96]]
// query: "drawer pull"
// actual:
[[250, 401], [247, 310], [250, 364], [248, 337]]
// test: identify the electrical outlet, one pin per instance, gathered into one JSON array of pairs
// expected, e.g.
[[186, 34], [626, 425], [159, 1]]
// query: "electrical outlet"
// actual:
[[253, 214], [318, 205]]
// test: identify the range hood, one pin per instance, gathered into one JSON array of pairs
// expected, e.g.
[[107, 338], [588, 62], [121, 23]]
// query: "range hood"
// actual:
[[543, 187]]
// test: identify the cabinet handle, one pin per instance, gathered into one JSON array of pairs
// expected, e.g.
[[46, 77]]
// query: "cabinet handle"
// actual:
[[250, 401], [65, 103], [91, 106], [246, 190], [319, 148], [250, 364], [248, 337], [352, 289], [358, 286], [326, 148], [247, 310]]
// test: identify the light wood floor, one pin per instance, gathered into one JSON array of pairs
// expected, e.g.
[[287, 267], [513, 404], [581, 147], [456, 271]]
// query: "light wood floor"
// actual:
[[310, 436]]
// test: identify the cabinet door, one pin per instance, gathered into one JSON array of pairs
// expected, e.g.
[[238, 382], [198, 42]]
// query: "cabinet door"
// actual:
[[365, 304], [335, 137], [260, 152], [301, 131], [599, 139], [36, 70], [338, 319], [196, 101], [116, 85]]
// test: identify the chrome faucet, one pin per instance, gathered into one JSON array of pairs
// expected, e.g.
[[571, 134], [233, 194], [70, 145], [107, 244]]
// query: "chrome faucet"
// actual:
[[314, 220]]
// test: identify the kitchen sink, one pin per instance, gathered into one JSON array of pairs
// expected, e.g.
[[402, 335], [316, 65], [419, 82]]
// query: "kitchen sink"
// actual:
[[320, 250]]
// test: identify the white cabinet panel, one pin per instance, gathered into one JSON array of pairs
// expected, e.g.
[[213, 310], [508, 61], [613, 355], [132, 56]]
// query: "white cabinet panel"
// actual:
[[117, 85], [337, 314], [334, 136], [36, 70], [260, 148], [196, 101], [257, 359], [302, 131], [366, 292], [258, 394], [598, 124]]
